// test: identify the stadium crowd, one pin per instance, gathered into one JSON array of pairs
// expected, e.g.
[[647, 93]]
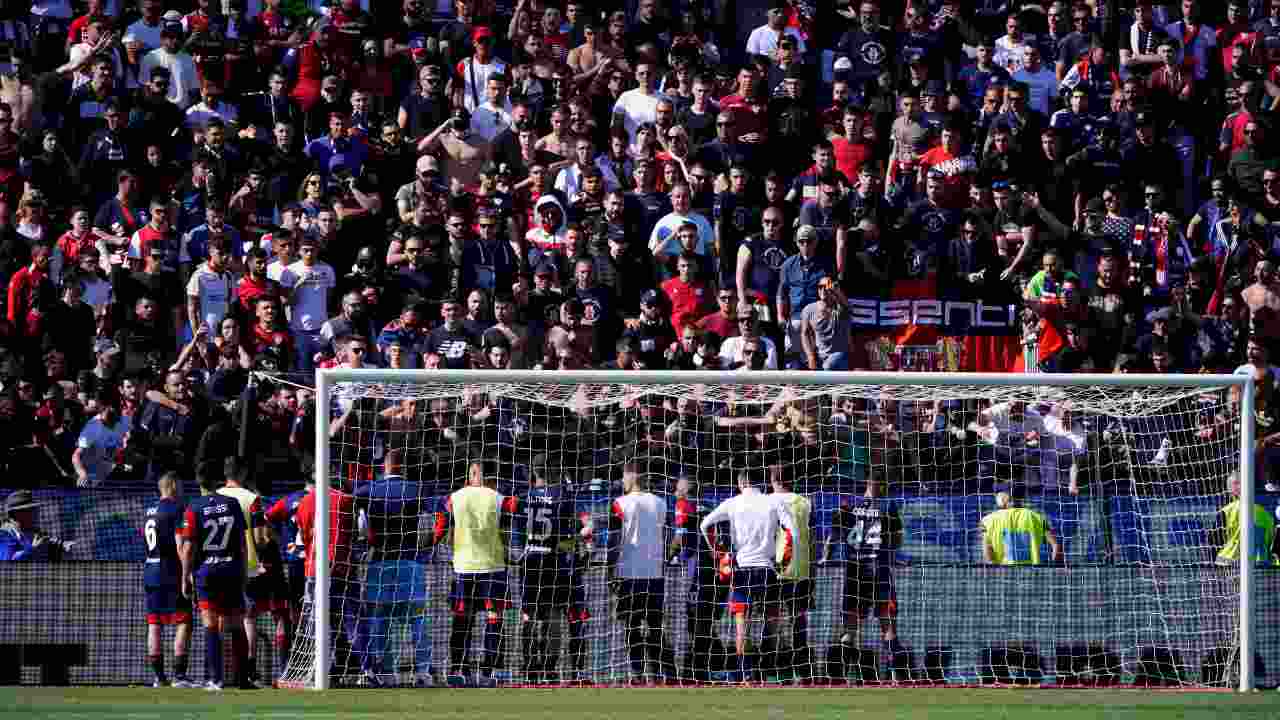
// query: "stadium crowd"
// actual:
[[201, 203]]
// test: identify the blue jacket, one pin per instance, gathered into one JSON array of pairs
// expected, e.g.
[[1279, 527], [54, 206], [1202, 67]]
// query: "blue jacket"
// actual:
[[17, 545]]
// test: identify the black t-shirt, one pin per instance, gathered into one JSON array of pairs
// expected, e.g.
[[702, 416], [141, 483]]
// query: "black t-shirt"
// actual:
[[453, 346]]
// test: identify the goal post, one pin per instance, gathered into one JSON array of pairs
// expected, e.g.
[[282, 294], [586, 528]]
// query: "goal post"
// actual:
[[1119, 397]]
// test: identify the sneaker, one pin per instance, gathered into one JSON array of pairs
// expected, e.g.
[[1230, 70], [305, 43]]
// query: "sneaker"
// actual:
[[212, 686], [183, 684], [1272, 487], [159, 683], [424, 681], [456, 679], [369, 679], [486, 681]]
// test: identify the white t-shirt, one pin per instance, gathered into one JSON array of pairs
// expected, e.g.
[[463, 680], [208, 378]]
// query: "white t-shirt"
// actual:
[[281, 273], [641, 544], [148, 35], [98, 445], [731, 351], [183, 81], [636, 108], [216, 292], [311, 299], [754, 520], [475, 78], [764, 40]]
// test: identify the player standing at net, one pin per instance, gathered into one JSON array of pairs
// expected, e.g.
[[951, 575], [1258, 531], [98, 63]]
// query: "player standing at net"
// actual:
[[552, 578], [795, 572], [264, 589], [871, 529], [708, 591], [756, 521], [473, 518], [293, 556], [1226, 535], [211, 545], [1012, 535], [166, 603], [636, 542], [396, 578]]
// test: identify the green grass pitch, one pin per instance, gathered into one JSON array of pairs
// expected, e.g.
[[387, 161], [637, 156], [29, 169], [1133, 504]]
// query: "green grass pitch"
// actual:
[[624, 704]]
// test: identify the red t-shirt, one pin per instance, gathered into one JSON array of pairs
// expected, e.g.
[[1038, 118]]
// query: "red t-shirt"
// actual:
[[850, 156], [342, 531], [688, 301], [250, 290]]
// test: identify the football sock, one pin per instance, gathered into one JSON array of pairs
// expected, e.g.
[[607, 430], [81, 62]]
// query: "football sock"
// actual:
[[800, 631], [157, 666], [528, 643], [239, 655], [213, 655], [635, 649], [576, 645], [180, 666], [282, 649], [492, 636], [459, 634]]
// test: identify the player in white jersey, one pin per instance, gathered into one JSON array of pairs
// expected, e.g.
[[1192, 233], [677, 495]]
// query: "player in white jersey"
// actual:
[[636, 547], [755, 522]]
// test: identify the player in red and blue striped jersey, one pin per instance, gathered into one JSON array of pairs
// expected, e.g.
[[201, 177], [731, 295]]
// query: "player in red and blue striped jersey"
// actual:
[[213, 549], [162, 577]]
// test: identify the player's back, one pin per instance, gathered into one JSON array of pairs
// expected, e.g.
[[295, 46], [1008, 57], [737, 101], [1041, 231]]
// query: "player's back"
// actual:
[[641, 541], [801, 511], [551, 532], [872, 527], [216, 526], [477, 531], [753, 522], [1015, 535], [160, 525], [394, 507], [250, 506]]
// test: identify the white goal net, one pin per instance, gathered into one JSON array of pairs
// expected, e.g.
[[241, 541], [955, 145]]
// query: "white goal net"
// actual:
[[504, 529]]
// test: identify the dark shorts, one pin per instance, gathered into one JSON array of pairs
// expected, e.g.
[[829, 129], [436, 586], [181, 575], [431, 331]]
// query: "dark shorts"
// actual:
[[479, 591], [166, 605], [221, 593], [869, 587], [552, 585], [753, 585], [706, 600], [797, 595], [267, 593], [642, 596]]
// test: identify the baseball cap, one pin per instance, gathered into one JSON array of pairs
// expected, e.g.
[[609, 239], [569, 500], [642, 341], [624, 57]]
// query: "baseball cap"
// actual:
[[650, 297], [806, 232], [481, 32], [914, 56], [842, 65], [172, 29], [172, 16], [546, 268], [1095, 206]]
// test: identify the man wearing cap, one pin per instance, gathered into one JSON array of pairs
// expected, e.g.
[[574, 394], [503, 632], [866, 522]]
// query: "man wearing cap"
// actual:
[[652, 331], [183, 81], [422, 111], [472, 74], [21, 540], [798, 283], [765, 39]]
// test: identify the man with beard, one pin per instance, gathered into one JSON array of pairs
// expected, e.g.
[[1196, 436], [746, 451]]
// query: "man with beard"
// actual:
[[1112, 310], [869, 46], [618, 265], [1159, 248], [353, 320], [426, 109]]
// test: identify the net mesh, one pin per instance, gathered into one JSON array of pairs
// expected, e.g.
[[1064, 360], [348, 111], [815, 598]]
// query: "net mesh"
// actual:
[[1128, 482]]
